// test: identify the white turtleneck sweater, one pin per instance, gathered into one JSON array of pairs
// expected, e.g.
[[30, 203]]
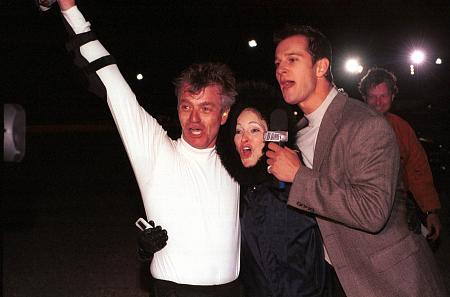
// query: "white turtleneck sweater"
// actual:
[[185, 190]]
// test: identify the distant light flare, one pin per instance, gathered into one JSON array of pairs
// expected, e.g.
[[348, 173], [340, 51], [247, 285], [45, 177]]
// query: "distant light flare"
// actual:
[[139, 76], [417, 56], [353, 66], [252, 43]]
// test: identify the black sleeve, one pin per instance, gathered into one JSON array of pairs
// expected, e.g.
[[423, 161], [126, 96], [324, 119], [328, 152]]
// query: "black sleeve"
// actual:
[[88, 70]]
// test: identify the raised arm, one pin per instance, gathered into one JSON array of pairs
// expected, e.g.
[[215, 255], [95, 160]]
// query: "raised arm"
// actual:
[[142, 136]]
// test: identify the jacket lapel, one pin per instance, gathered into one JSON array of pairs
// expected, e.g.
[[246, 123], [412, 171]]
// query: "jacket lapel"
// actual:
[[300, 125], [328, 129]]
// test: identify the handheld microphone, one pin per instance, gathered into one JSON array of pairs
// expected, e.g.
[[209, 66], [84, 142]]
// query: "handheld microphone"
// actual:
[[278, 132], [278, 127]]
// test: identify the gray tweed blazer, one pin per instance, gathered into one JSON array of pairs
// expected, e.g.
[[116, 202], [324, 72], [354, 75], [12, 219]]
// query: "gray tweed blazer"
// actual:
[[352, 189]]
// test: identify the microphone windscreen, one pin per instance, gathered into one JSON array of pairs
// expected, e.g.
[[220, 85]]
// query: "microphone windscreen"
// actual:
[[278, 120]]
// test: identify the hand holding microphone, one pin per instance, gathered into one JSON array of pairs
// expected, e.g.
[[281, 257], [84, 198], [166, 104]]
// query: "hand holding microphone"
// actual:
[[284, 162]]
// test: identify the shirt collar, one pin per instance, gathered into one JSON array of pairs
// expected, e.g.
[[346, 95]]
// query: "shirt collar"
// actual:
[[199, 152], [315, 117]]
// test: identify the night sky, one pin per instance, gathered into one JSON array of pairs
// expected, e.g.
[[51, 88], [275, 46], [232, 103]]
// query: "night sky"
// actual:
[[160, 38]]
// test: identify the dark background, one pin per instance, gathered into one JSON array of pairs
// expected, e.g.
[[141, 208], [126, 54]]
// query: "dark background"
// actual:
[[68, 209], [160, 38]]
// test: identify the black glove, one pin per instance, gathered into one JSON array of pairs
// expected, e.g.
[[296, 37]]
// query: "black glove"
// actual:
[[150, 241]]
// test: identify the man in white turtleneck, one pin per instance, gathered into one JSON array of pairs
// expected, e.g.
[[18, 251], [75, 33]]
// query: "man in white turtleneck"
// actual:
[[182, 182]]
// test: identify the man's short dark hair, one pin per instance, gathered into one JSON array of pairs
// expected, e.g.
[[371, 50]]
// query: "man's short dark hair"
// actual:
[[318, 44], [202, 75], [376, 76]]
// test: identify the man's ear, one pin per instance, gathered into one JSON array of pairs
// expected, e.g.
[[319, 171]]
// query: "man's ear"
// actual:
[[322, 67], [225, 116]]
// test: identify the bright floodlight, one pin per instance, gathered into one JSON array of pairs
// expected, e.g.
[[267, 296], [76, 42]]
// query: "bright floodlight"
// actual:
[[139, 76], [353, 66], [439, 61], [417, 56], [252, 43]]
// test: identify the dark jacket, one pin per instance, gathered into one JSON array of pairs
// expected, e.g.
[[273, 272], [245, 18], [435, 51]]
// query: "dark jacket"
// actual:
[[281, 249]]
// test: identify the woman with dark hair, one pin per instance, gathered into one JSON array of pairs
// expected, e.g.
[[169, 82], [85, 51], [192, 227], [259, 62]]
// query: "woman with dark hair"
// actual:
[[281, 248]]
